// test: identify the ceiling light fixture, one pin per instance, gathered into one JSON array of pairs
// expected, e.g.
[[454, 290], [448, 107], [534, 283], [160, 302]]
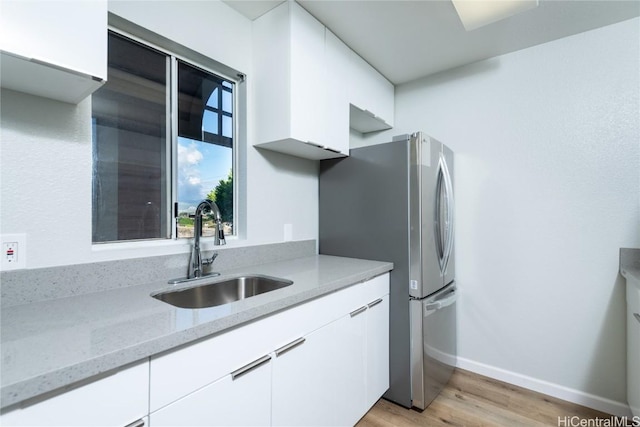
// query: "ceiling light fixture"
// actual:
[[477, 13]]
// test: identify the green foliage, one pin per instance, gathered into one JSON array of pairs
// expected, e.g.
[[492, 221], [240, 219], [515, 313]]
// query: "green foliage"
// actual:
[[223, 196], [185, 220]]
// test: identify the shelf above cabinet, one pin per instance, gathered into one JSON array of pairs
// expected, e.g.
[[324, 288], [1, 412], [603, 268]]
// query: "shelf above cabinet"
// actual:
[[306, 150], [365, 121], [36, 77]]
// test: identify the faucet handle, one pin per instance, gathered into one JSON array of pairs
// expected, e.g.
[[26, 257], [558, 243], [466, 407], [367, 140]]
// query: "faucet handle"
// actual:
[[207, 261]]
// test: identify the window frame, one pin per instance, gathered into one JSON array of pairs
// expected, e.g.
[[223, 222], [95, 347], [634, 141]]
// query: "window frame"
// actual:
[[171, 149]]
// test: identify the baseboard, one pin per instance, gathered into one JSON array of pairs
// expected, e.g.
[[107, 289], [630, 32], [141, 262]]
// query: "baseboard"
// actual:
[[558, 391]]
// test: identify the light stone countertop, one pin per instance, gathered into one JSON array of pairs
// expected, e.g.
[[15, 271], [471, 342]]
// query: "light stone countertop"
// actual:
[[52, 344]]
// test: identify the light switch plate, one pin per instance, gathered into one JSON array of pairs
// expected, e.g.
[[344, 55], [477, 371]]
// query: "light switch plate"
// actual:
[[14, 251]]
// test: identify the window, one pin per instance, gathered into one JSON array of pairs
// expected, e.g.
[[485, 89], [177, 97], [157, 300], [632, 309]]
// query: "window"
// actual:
[[151, 169]]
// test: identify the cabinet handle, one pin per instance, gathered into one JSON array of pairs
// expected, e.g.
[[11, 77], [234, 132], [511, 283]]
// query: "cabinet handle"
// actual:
[[358, 311], [376, 302], [250, 367], [138, 423], [282, 350], [313, 144], [60, 68], [637, 316]]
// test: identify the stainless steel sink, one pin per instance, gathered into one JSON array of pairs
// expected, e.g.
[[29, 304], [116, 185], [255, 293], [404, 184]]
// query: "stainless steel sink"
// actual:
[[221, 290]]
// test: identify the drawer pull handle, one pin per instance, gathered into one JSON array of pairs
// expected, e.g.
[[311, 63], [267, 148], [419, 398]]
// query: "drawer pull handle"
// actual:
[[138, 423], [282, 350], [637, 316], [376, 302], [250, 367], [358, 311]]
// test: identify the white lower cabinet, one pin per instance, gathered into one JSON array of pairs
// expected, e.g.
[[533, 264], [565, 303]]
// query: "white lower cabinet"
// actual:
[[321, 363], [633, 345], [303, 383], [242, 400], [377, 376], [350, 367], [332, 376], [320, 379], [117, 400]]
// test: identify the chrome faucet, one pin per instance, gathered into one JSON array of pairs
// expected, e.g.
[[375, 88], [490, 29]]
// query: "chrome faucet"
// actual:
[[196, 262]]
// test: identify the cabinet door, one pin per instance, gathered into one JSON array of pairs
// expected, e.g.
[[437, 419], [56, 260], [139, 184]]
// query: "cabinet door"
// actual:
[[42, 52], [295, 86], [308, 77], [49, 31], [304, 378], [372, 94], [633, 345], [320, 382], [350, 367], [377, 350], [337, 60], [116, 400], [243, 400]]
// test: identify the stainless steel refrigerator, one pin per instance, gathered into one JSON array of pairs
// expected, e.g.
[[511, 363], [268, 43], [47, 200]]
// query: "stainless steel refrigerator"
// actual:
[[394, 202]]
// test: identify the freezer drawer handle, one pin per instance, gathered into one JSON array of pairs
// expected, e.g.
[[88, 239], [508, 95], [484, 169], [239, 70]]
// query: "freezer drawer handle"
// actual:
[[637, 316], [282, 350], [358, 311], [437, 305], [138, 423], [250, 367]]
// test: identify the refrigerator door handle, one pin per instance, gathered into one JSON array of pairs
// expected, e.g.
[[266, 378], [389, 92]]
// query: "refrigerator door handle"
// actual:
[[445, 302], [444, 214], [439, 240], [448, 188]]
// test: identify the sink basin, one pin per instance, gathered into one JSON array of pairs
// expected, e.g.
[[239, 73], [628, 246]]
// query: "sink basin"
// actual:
[[221, 290]]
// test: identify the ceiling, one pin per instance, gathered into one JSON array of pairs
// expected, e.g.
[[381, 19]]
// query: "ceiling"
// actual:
[[405, 40]]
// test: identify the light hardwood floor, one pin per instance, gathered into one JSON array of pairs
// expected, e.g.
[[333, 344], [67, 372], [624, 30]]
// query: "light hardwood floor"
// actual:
[[474, 400]]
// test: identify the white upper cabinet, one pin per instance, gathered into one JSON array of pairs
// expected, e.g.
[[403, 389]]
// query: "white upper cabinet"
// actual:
[[293, 103], [310, 87], [337, 56], [54, 49], [308, 77], [371, 97]]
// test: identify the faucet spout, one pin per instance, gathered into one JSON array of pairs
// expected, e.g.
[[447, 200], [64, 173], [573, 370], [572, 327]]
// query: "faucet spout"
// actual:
[[195, 264]]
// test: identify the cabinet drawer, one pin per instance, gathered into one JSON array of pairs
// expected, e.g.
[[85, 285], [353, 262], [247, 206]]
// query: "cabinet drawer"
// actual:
[[181, 371], [245, 401], [116, 400], [375, 287]]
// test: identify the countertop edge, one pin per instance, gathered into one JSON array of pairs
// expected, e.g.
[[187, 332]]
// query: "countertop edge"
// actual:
[[69, 377]]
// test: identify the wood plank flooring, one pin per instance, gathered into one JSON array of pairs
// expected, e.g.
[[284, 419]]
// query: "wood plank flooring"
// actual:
[[474, 400]]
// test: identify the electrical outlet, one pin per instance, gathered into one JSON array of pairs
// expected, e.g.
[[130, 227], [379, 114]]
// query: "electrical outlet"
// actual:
[[14, 251]]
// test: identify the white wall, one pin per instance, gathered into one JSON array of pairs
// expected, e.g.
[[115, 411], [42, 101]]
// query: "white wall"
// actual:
[[547, 175], [45, 154]]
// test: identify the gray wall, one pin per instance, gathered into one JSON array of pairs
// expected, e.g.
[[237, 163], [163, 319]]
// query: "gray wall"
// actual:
[[547, 144]]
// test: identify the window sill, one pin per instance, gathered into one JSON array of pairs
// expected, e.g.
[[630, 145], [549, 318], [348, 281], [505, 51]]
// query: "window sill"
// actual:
[[145, 248]]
